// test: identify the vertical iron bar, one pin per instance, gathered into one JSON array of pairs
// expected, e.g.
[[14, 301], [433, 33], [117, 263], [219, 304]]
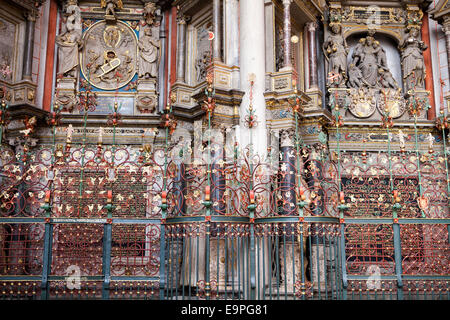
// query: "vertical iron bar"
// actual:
[[107, 235], [398, 259], [207, 257], [46, 260], [177, 254], [284, 261], [343, 262], [293, 259]]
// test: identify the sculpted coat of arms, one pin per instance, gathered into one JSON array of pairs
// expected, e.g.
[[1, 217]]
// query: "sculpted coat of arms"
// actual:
[[109, 57], [363, 103]]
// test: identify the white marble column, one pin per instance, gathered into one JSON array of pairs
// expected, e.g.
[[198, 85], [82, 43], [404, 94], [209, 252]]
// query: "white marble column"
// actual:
[[231, 8], [181, 47], [311, 28], [252, 61], [217, 29]]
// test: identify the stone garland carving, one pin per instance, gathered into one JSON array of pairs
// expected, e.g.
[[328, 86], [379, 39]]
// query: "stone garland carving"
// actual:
[[69, 42]]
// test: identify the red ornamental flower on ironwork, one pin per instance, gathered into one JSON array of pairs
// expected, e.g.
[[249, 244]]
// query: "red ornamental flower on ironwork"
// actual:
[[386, 122], [442, 123], [338, 123], [297, 107], [168, 122], [114, 118], [209, 105], [251, 120]]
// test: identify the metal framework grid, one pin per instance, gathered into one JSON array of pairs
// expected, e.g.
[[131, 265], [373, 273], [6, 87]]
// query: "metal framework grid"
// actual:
[[116, 222]]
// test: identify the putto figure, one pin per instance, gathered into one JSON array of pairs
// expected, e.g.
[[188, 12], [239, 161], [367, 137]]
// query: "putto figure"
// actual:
[[111, 6]]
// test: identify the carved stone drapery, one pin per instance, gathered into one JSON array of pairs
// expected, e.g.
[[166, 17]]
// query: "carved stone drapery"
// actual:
[[336, 50], [148, 55], [412, 60], [69, 41], [368, 66]]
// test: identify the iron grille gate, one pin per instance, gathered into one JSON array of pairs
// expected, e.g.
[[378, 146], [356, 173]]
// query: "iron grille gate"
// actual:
[[223, 259], [119, 222]]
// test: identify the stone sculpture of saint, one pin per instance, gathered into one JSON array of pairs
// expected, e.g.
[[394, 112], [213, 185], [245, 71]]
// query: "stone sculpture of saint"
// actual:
[[412, 60], [336, 51], [69, 42], [148, 55]]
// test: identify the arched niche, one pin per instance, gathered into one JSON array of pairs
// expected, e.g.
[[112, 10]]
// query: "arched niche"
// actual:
[[389, 42]]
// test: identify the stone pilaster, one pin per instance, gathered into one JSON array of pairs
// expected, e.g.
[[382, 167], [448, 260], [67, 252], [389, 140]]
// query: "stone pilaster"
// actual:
[[181, 47], [29, 45]]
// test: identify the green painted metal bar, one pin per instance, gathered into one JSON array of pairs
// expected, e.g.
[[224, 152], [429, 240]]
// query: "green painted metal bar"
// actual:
[[398, 260], [284, 261], [22, 220], [107, 239], [162, 261], [310, 260], [343, 262], [317, 262], [20, 278], [418, 161], [46, 260], [293, 259], [207, 260], [426, 277]]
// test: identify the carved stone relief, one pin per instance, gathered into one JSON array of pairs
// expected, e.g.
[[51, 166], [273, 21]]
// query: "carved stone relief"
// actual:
[[7, 51], [203, 51], [109, 57]]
